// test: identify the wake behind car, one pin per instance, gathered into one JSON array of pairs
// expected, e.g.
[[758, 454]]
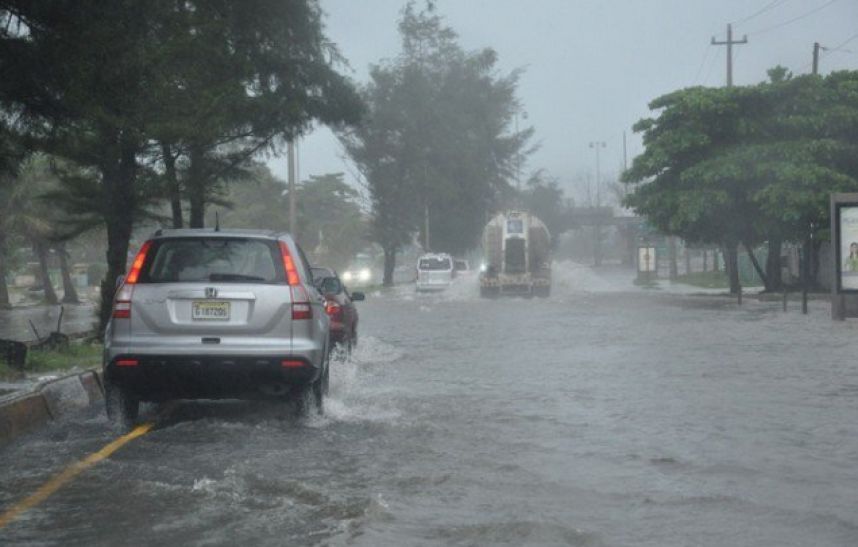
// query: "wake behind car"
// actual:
[[206, 314]]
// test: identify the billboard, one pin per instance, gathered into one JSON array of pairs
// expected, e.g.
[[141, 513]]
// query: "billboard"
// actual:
[[847, 246]]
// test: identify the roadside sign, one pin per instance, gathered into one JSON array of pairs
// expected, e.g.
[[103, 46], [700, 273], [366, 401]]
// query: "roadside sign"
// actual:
[[846, 246], [844, 266], [647, 259]]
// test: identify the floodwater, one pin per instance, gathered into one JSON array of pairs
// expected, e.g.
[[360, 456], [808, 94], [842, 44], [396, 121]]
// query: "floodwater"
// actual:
[[605, 415]]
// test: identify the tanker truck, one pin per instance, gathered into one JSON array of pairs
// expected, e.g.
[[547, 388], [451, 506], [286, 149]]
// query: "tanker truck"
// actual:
[[516, 256]]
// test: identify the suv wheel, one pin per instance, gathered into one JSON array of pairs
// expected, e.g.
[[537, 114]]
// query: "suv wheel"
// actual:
[[122, 407]]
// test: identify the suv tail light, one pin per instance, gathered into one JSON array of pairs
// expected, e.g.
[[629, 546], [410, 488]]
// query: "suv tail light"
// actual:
[[122, 301], [289, 265], [301, 307]]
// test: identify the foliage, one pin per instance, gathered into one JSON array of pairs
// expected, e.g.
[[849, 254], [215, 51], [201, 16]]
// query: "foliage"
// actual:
[[248, 72], [332, 225], [544, 198], [327, 207], [435, 139], [746, 165]]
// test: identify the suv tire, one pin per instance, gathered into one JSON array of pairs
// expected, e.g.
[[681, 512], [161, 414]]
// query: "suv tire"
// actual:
[[122, 407]]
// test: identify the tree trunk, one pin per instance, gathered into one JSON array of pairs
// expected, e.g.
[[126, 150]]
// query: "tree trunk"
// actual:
[[815, 245], [773, 266], [705, 260], [174, 189], [42, 254], [196, 187], [5, 303], [119, 220], [716, 267], [673, 270], [687, 259], [731, 263], [757, 267], [389, 265], [69, 292]]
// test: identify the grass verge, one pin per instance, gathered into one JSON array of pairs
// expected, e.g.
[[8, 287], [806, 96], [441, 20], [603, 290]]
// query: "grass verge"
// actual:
[[79, 354], [706, 280]]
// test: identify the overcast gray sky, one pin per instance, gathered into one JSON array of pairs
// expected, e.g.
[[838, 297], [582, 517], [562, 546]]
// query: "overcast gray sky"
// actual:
[[591, 66]]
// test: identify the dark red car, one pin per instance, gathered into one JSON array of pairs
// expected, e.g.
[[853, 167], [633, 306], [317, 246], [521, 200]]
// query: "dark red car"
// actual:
[[339, 305]]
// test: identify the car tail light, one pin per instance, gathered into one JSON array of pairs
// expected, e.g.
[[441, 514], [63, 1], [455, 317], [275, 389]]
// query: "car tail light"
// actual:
[[291, 363], [127, 362], [334, 310], [289, 265], [122, 302], [301, 307]]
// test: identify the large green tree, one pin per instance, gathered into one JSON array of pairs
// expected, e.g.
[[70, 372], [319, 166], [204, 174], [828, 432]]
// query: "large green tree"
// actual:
[[435, 149], [332, 224], [122, 87], [248, 75], [747, 165]]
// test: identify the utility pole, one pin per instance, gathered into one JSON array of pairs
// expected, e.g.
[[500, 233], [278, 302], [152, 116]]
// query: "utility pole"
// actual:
[[290, 165], [816, 49], [730, 43], [426, 221], [625, 152], [731, 253], [597, 229]]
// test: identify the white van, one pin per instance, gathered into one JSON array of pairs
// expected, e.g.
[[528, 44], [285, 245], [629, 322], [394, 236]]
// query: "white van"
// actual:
[[434, 272]]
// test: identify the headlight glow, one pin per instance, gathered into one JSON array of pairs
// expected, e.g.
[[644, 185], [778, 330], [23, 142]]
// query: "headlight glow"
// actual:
[[483, 267], [364, 274], [347, 276]]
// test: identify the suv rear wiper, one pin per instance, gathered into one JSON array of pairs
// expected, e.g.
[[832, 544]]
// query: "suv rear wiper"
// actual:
[[234, 277]]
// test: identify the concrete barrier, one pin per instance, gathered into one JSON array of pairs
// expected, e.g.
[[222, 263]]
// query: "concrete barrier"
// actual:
[[51, 400]]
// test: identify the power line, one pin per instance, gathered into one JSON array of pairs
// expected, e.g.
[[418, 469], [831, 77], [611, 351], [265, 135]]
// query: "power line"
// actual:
[[839, 46], [712, 63], [706, 53], [764, 9], [793, 20]]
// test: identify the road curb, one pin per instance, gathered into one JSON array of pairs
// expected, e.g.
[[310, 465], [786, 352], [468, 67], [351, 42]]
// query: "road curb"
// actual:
[[49, 401]]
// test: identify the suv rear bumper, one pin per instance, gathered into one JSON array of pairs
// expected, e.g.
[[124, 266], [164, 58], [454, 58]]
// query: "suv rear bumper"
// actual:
[[165, 377]]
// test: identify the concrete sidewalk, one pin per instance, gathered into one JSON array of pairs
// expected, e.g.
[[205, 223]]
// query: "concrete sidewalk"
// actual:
[[28, 409]]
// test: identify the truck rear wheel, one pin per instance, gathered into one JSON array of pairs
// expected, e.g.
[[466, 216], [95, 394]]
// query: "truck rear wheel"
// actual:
[[542, 292], [489, 292]]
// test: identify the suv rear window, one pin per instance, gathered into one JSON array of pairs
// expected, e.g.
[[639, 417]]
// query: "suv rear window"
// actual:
[[434, 264], [225, 260]]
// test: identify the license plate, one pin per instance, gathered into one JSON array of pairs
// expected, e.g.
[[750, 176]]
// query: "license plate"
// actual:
[[206, 310]]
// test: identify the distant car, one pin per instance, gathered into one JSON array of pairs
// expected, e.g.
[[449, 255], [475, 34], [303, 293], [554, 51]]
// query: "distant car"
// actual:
[[434, 272], [206, 314], [361, 272], [339, 305], [461, 265]]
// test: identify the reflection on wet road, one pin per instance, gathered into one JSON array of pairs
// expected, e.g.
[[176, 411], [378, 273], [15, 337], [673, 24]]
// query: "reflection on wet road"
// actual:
[[601, 416]]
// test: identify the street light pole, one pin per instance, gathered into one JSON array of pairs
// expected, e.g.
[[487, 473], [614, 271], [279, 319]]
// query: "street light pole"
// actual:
[[597, 229], [290, 164]]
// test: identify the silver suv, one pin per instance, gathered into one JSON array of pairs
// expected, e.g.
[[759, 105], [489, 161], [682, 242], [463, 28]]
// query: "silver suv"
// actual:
[[206, 314]]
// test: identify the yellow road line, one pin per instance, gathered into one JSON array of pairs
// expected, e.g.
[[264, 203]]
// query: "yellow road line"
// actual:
[[69, 473]]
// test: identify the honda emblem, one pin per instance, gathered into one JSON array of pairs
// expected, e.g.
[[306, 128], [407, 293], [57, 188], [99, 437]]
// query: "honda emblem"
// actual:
[[211, 292]]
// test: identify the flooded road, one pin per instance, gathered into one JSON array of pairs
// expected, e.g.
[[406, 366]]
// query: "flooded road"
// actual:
[[605, 415]]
